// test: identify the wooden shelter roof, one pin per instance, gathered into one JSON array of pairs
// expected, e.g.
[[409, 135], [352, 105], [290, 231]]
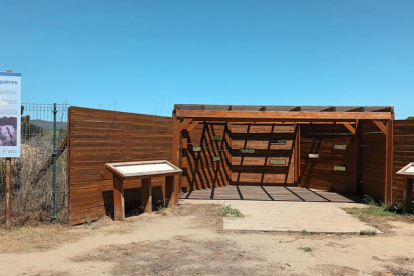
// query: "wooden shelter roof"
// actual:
[[239, 113]]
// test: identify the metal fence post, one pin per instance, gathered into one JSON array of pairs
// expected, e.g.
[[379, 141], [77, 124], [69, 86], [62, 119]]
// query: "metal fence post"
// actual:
[[54, 164]]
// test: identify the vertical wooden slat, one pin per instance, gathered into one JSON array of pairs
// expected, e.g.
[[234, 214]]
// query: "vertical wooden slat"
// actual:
[[146, 195], [298, 134], [176, 156], [119, 199], [408, 195], [169, 191], [184, 154], [68, 148], [8, 193], [296, 155], [389, 157], [357, 163], [229, 154]]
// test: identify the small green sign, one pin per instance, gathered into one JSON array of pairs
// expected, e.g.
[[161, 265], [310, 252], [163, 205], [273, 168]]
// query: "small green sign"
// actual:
[[196, 148], [216, 158], [247, 150], [339, 168], [277, 161], [216, 137], [339, 147]]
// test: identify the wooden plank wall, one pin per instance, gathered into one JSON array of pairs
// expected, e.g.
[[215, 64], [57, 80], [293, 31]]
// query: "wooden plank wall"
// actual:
[[373, 160], [255, 168], [403, 154], [97, 137], [199, 170], [319, 173]]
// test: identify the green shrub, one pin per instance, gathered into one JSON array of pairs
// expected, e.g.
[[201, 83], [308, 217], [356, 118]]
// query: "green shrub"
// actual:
[[368, 232], [228, 211]]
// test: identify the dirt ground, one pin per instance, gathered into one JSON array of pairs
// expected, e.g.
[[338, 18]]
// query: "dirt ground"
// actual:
[[189, 240]]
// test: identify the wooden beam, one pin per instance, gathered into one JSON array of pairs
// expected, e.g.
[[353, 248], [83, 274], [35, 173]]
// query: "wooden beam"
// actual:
[[185, 123], [192, 126], [146, 195], [229, 150], [349, 127], [356, 109], [176, 156], [119, 202], [381, 126], [329, 109], [389, 159], [207, 115], [357, 160], [8, 193]]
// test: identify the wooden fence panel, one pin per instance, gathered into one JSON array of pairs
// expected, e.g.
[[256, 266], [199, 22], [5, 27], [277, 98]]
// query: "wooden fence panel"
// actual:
[[200, 171], [268, 143], [373, 160], [403, 153], [97, 137], [319, 172]]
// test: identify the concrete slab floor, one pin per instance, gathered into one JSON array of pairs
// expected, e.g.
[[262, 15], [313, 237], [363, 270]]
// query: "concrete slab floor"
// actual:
[[316, 217]]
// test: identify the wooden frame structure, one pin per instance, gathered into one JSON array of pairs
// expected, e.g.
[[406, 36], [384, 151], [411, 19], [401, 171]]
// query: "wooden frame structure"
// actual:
[[171, 193], [186, 117], [408, 173]]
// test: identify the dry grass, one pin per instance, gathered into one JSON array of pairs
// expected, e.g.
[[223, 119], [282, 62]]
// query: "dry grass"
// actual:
[[180, 256], [37, 239], [378, 216], [32, 204]]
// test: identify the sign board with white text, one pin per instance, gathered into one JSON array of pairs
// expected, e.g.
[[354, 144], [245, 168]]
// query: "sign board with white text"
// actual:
[[10, 114]]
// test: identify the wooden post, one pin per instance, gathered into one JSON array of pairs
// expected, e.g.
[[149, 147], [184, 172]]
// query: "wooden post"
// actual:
[[169, 191], [408, 195], [184, 157], [229, 153], [388, 162], [119, 202], [357, 160], [146, 195], [176, 156], [8, 193], [297, 154]]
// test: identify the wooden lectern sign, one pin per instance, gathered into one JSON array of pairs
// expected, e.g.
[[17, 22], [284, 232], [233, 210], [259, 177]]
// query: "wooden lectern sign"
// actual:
[[143, 170], [408, 173]]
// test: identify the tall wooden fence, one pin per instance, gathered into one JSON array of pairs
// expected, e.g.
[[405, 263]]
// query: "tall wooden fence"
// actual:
[[403, 153], [97, 137], [373, 160]]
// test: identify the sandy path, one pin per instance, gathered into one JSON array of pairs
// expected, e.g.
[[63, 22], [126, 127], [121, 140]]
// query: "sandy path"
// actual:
[[266, 253]]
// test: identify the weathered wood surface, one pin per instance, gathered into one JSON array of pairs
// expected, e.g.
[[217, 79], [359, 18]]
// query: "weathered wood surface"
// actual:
[[258, 116], [373, 160], [199, 170], [97, 137], [403, 153], [318, 173], [255, 168]]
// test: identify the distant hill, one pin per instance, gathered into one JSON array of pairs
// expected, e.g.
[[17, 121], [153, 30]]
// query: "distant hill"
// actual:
[[47, 124]]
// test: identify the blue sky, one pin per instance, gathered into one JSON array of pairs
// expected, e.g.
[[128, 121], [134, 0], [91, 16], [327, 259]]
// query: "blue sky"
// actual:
[[143, 56]]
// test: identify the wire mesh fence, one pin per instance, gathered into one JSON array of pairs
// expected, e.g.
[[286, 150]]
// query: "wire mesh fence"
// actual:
[[32, 177]]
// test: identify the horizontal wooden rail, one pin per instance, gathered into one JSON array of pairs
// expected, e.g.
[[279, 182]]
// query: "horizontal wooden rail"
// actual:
[[257, 116]]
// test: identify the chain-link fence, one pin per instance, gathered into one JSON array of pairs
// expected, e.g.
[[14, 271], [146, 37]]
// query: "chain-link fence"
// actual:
[[32, 173]]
